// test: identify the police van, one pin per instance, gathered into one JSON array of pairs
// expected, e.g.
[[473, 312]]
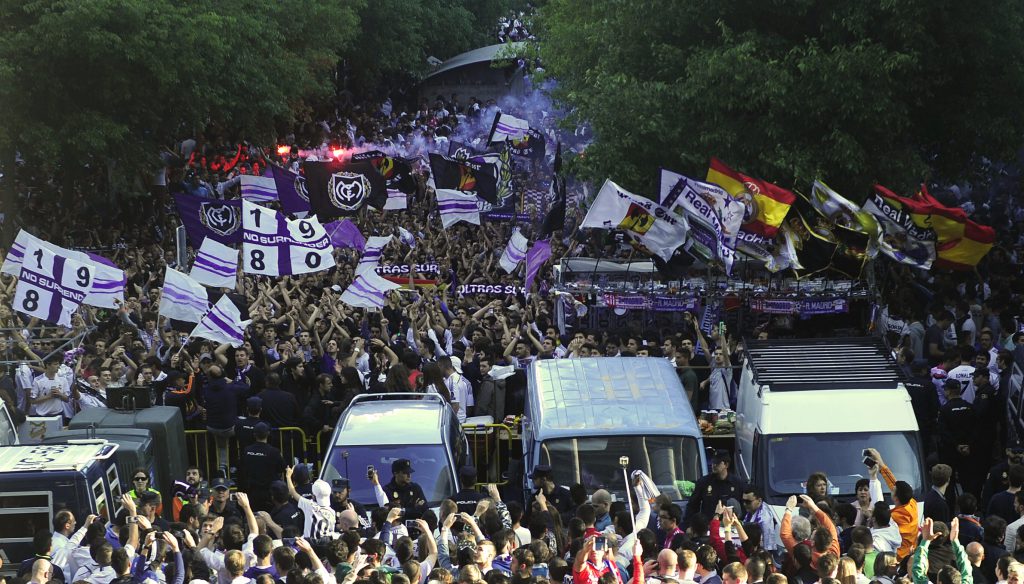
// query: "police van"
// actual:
[[586, 416], [38, 480]]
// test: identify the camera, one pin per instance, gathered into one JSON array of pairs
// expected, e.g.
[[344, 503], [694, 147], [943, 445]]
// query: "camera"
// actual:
[[369, 472], [869, 462], [411, 525], [600, 543], [288, 541]]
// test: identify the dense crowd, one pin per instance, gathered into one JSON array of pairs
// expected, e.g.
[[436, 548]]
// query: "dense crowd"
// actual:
[[306, 355]]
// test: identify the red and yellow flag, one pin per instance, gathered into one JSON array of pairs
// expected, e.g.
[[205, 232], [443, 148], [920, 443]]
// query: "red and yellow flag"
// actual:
[[959, 242], [767, 204]]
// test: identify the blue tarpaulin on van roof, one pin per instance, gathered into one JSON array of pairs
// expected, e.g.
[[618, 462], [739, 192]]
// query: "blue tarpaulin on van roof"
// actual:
[[581, 397]]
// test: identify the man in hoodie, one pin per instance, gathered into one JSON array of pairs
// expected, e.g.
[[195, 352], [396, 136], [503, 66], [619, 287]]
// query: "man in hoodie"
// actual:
[[221, 402]]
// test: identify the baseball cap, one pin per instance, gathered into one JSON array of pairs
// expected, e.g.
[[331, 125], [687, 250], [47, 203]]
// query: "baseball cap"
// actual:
[[220, 483], [541, 470], [254, 403], [721, 456], [261, 430], [322, 492], [457, 365], [339, 485], [401, 465]]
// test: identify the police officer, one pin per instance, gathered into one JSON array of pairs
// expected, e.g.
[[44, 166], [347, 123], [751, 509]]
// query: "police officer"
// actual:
[[401, 491], [998, 479], [717, 486], [955, 430], [558, 496], [246, 424], [340, 501], [468, 496], [261, 465]]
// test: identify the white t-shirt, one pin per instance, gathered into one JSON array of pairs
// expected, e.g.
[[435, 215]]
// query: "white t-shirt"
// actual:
[[44, 386], [965, 375], [462, 392]]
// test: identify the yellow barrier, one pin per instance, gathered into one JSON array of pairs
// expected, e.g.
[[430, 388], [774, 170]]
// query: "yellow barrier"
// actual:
[[291, 441], [491, 445]]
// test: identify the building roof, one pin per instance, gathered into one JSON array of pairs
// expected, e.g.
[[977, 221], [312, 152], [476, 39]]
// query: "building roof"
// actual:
[[628, 395], [480, 55]]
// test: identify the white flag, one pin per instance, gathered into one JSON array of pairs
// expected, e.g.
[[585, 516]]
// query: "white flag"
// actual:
[[367, 290], [259, 189], [372, 252], [651, 224], [182, 297], [273, 245], [457, 206], [714, 216], [515, 251], [107, 286], [506, 127], [51, 287], [216, 264], [223, 324], [397, 200], [406, 237]]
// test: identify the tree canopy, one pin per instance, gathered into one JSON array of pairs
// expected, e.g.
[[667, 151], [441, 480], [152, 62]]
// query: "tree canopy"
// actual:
[[853, 92], [100, 81]]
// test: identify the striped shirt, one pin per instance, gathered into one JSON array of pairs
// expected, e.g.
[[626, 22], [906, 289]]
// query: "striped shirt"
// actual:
[[319, 520]]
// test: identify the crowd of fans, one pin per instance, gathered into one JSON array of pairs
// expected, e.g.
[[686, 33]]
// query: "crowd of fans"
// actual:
[[306, 355]]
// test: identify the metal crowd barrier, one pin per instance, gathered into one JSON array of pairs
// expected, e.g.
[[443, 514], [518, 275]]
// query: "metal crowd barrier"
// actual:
[[491, 447]]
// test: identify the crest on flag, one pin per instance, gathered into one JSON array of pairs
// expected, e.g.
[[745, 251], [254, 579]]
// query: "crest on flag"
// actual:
[[220, 218], [300, 187], [637, 220], [348, 190], [467, 180]]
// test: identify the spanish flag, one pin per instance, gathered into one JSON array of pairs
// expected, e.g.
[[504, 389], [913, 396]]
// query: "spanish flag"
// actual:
[[960, 242], [768, 204]]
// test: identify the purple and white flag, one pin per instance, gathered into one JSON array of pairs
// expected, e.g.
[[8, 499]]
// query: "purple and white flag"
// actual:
[[275, 246], [216, 265], [51, 287], [291, 191], [456, 206], [259, 189], [506, 127], [182, 297], [535, 258], [202, 218], [397, 201], [372, 252], [345, 233], [367, 290], [406, 237], [108, 283], [515, 251], [223, 324]]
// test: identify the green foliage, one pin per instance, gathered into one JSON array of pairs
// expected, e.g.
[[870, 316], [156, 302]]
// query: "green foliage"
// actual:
[[397, 36], [110, 81], [883, 91]]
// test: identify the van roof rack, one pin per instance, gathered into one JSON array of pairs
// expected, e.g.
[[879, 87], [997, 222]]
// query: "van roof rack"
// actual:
[[837, 363]]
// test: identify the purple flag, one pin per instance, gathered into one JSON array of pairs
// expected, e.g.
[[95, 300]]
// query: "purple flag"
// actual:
[[291, 190], [345, 233], [535, 258], [202, 218]]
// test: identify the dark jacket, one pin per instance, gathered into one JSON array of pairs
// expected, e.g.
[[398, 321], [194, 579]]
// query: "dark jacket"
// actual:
[[280, 409], [709, 490], [221, 399], [935, 507]]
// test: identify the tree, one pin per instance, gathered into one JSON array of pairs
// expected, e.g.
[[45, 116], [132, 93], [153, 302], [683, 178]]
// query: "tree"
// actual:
[[397, 36], [854, 92], [106, 83]]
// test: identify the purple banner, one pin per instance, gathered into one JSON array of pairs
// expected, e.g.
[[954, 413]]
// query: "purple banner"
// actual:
[[202, 218]]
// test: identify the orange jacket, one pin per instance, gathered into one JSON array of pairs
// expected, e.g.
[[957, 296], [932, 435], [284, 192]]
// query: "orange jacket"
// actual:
[[905, 517], [786, 534]]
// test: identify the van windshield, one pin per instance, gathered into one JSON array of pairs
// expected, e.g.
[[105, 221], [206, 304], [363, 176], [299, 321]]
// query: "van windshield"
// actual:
[[792, 459], [429, 464], [594, 461]]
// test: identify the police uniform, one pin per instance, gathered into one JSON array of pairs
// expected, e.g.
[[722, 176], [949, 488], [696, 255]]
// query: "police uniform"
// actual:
[[407, 497], [246, 424], [467, 498], [261, 464], [559, 499], [956, 426], [709, 490]]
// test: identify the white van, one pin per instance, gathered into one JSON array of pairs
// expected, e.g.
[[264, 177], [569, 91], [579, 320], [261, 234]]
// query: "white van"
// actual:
[[813, 405]]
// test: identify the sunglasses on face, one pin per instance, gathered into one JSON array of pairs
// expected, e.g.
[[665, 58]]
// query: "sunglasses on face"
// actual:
[[140, 479]]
